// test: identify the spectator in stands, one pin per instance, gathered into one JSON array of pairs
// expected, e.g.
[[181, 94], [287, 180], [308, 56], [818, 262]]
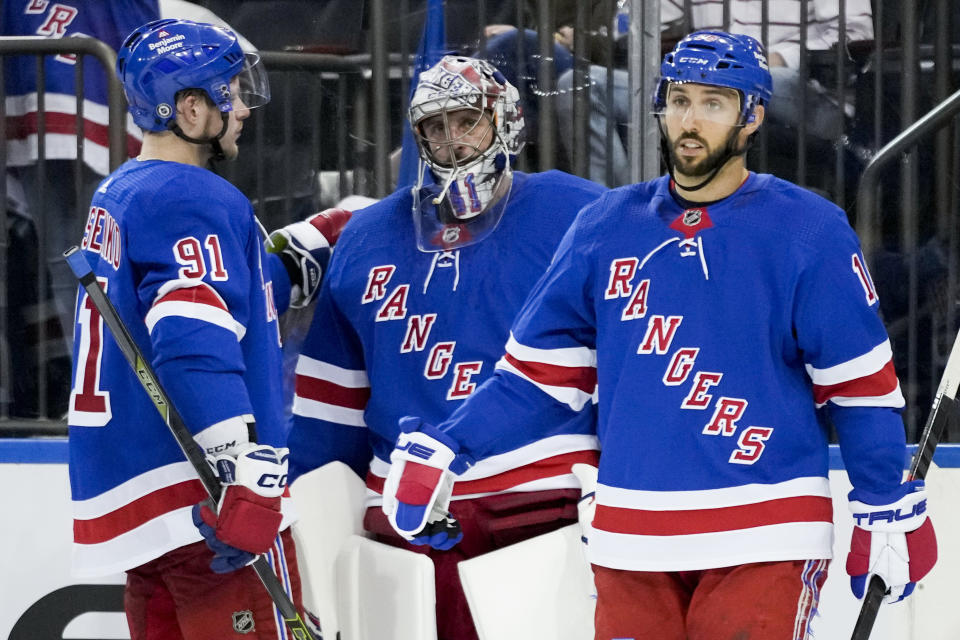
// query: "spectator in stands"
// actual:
[[823, 113], [55, 204]]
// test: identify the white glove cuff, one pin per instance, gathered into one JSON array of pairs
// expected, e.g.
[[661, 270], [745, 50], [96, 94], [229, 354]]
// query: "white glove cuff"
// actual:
[[906, 514], [227, 437], [420, 448]]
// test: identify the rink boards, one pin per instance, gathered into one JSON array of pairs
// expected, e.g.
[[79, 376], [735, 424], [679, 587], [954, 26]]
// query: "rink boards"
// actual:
[[41, 599]]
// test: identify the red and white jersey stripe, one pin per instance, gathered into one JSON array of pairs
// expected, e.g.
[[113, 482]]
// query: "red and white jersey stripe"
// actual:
[[865, 381], [543, 465], [328, 392], [681, 530], [568, 375], [192, 299]]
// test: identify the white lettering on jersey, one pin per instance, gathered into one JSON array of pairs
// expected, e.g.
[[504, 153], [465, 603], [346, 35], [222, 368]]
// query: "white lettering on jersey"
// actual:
[[439, 360], [660, 333], [102, 235], [395, 307], [698, 398], [680, 366], [462, 386], [725, 416], [418, 330], [622, 271], [377, 283]]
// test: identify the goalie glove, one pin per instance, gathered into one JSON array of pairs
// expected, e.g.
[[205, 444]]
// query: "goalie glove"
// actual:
[[248, 516], [892, 538], [305, 247], [416, 494]]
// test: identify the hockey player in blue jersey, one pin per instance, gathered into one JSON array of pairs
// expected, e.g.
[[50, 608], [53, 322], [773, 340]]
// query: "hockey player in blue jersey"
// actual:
[[717, 316], [415, 310], [180, 254]]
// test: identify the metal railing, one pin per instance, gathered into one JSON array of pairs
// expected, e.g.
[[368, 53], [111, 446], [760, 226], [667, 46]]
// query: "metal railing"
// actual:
[[335, 119]]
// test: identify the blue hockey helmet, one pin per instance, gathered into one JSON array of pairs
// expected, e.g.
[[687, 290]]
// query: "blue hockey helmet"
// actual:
[[720, 59], [163, 57]]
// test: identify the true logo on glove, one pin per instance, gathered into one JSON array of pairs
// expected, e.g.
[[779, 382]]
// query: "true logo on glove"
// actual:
[[890, 515], [416, 449]]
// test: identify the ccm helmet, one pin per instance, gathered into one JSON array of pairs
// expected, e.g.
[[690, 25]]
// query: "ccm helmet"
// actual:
[[163, 57], [721, 59], [465, 99]]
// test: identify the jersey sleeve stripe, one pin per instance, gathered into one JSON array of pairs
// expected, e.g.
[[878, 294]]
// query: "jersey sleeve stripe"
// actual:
[[871, 362], [562, 357], [573, 397], [307, 408], [696, 521], [582, 378], [313, 368], [197, 301], [332, 393], [881, 386]]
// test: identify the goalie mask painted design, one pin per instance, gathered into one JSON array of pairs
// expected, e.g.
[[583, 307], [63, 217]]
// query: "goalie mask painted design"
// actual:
[[468, 125]]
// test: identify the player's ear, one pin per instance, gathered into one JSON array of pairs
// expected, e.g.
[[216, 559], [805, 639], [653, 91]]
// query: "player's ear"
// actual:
[[756, 120], [191, 108]]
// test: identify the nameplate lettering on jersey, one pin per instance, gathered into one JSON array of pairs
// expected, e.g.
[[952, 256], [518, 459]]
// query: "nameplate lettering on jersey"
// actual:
[[102, 236]]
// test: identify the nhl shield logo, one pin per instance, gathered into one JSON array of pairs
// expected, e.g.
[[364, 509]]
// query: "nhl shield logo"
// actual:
[[692, 217], [451, 235], [243, 621]]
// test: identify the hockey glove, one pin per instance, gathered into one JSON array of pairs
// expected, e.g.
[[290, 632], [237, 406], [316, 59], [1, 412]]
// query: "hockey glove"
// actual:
[[416, 494], [892, 538], [248, 516], [304, 247]]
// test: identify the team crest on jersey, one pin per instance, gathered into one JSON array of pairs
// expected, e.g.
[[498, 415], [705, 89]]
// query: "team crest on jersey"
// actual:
[[243, 621]]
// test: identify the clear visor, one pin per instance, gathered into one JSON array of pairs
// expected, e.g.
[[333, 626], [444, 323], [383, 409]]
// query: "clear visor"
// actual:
[[251, 87], [454, 138], [431, 206], [693, 102]]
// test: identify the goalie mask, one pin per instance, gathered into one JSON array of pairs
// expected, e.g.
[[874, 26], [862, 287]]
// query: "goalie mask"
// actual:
[[468, 125]]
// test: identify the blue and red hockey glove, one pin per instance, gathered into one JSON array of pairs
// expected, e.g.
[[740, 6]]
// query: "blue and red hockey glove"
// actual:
[[892, 538], [416, 494], [248, 516], [304, 248]]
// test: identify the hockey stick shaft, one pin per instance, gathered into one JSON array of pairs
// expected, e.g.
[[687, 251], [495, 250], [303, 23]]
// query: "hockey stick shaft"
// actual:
[[944, 411], [151, 385]]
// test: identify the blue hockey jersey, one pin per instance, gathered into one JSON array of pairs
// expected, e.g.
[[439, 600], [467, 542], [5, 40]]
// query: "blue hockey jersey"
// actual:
[[402, 332], [714, 336], [109, 22], [180, 255]]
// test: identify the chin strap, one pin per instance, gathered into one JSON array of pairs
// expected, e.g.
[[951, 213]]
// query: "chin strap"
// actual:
[[214, 142], [729, 153]]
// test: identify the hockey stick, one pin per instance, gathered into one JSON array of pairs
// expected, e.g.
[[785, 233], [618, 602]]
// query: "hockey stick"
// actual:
[[148, 380], [944, 411]]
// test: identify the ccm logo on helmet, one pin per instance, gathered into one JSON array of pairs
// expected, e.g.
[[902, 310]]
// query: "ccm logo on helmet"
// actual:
[[693, 60]]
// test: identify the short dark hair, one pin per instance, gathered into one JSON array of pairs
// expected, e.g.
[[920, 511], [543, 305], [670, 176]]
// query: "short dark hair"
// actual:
[[193, 91]]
